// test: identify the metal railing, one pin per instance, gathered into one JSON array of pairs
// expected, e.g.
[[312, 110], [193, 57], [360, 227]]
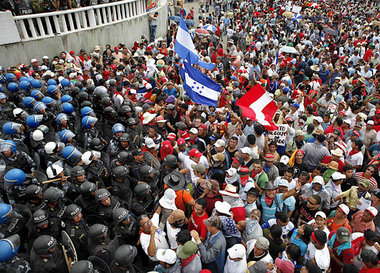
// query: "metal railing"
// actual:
[[43, 25]]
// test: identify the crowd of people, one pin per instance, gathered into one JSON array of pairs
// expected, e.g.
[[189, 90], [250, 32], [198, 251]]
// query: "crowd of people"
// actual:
[[108, 166]]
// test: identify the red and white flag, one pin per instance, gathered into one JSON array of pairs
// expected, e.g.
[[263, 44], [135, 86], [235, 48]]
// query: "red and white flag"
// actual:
[[258, 105]]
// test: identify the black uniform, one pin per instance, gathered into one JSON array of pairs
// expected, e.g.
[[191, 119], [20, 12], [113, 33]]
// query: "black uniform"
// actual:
[[78, 232], [54, 263]]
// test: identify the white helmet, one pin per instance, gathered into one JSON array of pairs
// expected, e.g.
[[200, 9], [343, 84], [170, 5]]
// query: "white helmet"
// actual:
[[51, 147], [87, 157], [37, 135], [54, 170], [17, 112]]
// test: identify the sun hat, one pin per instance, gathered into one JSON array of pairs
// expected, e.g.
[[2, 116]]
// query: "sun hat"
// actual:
[[223, 207], [213, 221], [148, 117], [337, 152], [175, 180], [237, 251], [229, 190], [219, 157], [199, 168], [318, 179], [167, 201], [166, 255]]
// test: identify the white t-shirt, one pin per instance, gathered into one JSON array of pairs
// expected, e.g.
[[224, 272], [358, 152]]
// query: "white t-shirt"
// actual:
[[356, 159], [172, 235], [322, 257], [159, 238], [186, 164]]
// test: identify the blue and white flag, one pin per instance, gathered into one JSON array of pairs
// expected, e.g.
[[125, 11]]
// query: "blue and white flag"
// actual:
[[184, 46], [297, 17], [199, 87]]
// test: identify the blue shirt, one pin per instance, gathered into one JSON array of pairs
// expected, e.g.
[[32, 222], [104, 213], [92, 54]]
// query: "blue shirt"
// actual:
[[299, 242]]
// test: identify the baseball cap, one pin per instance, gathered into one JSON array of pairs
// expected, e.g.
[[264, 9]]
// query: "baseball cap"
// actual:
[[296, 105], [370, 122], [344, 208], [284, 266], [365, 183], [262, 243], [199, 168], [172, 136], [193, 131], [34, 60], [219, 157], [236, 251], [238, 160], [355, 132], [231, 171], [72, 52], [343, 234], [137, 152], [245, 150], [181, 142], [213, 221], [188, 249], [166, 255], [243, 170], [220, 143], [214, 136], [160, 119], [320, 214], [372, 210], [195, 153]]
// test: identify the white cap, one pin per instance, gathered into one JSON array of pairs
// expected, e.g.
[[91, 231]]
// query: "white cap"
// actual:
[[338, 176], [318, 119], [246, 150], [219, 143], [45, 57], [132, 91], [370, 122], [283, 183], [347, 121], [223, 207], [149, 142], [372, 210], [344, 208], [193, 131], [231, 171], [166, 255], [236, 251], [34, 60], [318, 179], [321, 214], [284, 159]]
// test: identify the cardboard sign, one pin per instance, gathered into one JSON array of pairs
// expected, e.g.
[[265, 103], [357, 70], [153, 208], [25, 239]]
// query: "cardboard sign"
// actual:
[[279, 135], [296, 9], [151, 5]]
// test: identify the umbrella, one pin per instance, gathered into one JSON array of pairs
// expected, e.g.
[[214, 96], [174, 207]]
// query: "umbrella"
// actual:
[[210, 28], [189, 22], [289, 49], [174, 18], [297, 17], [201, 31], [376, 23], [331, 31], [288, 14]]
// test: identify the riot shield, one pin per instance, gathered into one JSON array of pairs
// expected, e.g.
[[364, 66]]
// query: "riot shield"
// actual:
[[150, 160], [26, 213], [111, 249], [69, 246], [99, 264]]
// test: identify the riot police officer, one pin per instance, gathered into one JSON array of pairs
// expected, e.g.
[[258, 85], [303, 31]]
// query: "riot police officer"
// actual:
[[78, 177], [77, 229], [9, 260], [45, 225], [86, 199], [121, 184], [11, 221], [142, 202], [95, 169], [123, 259], [125, 226], [98, 241], [14, 186], [123, 158], [83, 266], [134, 134], [33, 196], [47, 256], [55, 204], [12, 158], [117, 130], [107, 203]]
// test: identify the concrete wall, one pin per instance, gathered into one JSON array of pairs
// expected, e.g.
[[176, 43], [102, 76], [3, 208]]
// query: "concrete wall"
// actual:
[[123, 32]]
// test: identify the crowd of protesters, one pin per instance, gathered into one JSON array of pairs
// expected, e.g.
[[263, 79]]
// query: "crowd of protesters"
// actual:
[[108, 166]]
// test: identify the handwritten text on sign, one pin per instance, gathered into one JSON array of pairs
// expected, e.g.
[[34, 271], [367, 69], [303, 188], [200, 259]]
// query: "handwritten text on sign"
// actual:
[[279, 135]]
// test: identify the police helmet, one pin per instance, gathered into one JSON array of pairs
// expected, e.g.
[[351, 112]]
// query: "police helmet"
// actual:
[[12, 87], [5, 212], [124, 157], [70, 152], [37, 135], [36, 83], [72, 210], [88, 157], [101, 194], [65, 135], [8, 144], [170, 160], [51, 147], [97, 144], [67, 108], [120, 214], [28, 102], [87, 121], [15, 176], [145, 171], [77, 171], [9, 247], [87, 187], [40, 217], [43, 244], [24, 85], [65, 83], [120, 172], [125, 137], [117, 128], [124, 255], [33, 191], [97, 231], [82, 266], [141, 189], [52, 194]]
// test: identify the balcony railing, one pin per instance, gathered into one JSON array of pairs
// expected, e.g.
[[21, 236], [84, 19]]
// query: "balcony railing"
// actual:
[[43, 25]]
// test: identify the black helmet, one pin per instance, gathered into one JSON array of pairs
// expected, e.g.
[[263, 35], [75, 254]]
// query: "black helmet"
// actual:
[[43, 244], [82, 96], [101, 194], [82, 266], [40, 217], [32, 191], [72, 210], [131, 121], [141, 189], [120, 172], [124, 137], [109, 111], [74, 91], [120, 214], [86, 103], [145, 171], [79, 85], [124, 255], [125, 109], [97, 144], [90, 88], [87, 187], [170, 160], [106, 102], [97, 231], [52, 194], [77, 171], [124, 157]]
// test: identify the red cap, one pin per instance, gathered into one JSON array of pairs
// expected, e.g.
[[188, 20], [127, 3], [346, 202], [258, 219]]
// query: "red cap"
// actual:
[[204, 126], [180, 141], [342, 112], [113, 67], [377, 111], [72, 52], [115, 48], [148, 48], [356, 133], [243, 170], [195, 153], [171, 136]]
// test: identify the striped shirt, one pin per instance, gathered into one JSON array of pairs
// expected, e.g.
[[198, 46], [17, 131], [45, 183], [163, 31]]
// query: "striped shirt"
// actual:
[[360, 177]]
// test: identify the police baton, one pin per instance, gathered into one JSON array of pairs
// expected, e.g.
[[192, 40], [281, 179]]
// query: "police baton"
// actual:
[[54, 180]]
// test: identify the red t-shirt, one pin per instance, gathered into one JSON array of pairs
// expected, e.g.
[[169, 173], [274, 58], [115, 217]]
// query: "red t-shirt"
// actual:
[[239, 214], [346, 256], [327, 160], [196, 223]]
